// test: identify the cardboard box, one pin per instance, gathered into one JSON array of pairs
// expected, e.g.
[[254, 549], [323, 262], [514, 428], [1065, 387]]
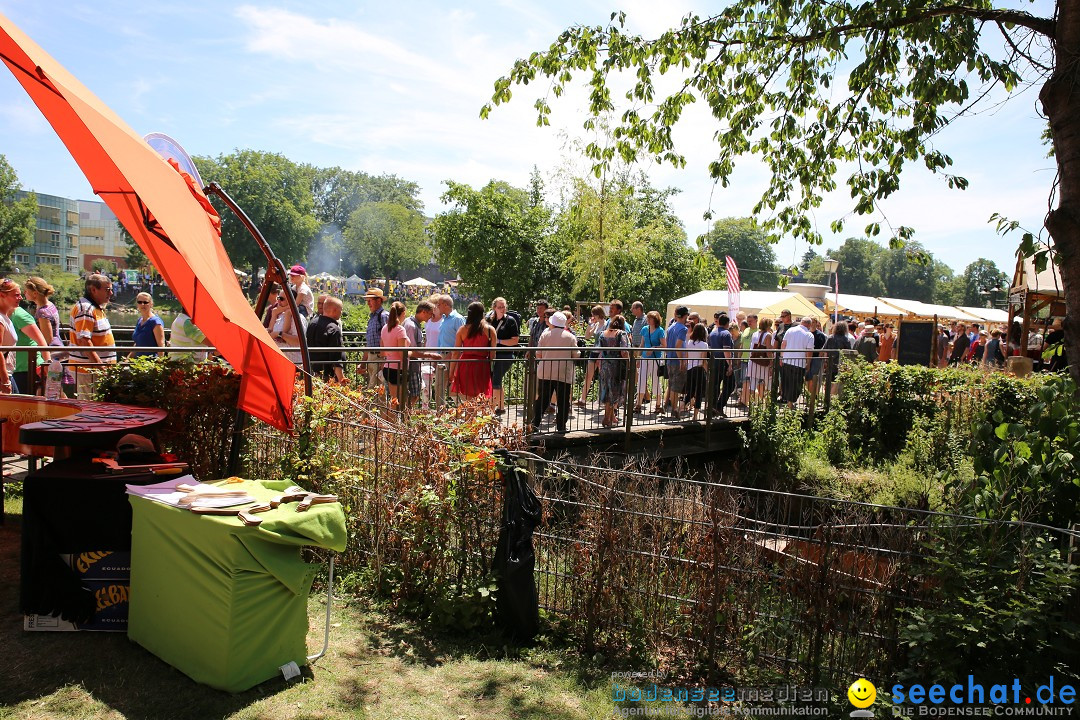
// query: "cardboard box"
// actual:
[[107, 575]]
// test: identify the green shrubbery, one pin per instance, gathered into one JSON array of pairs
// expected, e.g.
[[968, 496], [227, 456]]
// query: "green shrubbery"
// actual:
[[199, 397], [1002, 594]]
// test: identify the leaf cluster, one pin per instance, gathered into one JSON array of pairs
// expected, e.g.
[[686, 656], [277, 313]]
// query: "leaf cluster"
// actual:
[[814, 89]]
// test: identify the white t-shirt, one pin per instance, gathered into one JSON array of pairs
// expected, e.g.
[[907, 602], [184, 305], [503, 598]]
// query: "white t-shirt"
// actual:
[[694, 359], [431, 330], [797, 341]]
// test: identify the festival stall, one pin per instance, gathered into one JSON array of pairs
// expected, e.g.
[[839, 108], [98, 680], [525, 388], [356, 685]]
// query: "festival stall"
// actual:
[[928, 311], [764, 303], [989, 315], [251, 595], [859, 307], [1033, 295]]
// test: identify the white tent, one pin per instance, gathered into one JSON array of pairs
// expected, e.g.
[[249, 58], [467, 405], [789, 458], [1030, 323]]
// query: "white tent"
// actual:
[[928, 310], [993, 315], [708, 302], [326, 276], [860, 305], [419, 282]]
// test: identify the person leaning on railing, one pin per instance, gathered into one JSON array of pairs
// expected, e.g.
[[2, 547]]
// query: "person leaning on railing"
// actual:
[[90, 328], [9, 300]]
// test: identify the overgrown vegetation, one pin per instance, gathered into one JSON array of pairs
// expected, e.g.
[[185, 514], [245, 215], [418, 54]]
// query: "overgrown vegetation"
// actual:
[[989, 446]]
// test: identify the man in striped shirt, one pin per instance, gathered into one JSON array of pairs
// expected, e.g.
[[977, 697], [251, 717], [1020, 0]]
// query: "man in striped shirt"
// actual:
[[90, 329]]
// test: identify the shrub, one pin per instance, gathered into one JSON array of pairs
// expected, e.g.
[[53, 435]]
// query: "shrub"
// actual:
[[1001, 601], [773, 440], [199, 397], [1030, 469]]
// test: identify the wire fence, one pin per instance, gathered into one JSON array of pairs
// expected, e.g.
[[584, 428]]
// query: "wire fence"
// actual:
[[703, 579]]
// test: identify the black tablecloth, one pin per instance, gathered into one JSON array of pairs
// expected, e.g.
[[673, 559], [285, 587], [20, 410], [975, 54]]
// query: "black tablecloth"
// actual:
[[70, 506]]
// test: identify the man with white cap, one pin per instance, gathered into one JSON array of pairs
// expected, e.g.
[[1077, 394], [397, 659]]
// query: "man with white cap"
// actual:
[[797, 347], [555, 371]]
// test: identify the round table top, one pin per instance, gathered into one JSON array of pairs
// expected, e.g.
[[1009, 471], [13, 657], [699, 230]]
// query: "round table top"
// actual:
[[81, 423]]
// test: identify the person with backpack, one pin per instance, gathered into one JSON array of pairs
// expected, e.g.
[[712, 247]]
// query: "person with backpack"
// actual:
[[507, 324], [868, 345]]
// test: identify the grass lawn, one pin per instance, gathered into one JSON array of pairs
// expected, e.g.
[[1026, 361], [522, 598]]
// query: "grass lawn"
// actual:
[[377, 667]]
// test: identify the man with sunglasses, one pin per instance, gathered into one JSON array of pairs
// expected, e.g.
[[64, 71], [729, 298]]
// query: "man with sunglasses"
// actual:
[[90, 329]]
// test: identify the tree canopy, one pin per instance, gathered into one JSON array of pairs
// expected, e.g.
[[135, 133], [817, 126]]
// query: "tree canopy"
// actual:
[[17, 217], [499, 239], [385, 237], [275, 193], [745, 241], [829, 91]]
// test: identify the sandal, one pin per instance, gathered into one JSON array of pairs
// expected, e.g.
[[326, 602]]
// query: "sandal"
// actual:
[[579, 403]]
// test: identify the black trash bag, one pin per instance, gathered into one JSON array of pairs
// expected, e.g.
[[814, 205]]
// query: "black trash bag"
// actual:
[[517, 605]]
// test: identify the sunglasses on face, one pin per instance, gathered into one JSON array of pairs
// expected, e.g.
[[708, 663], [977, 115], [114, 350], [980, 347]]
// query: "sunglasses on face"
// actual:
[[143, 302], [281, 298]]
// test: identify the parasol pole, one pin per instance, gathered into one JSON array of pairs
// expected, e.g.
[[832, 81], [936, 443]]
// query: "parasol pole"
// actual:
[[275, 272]]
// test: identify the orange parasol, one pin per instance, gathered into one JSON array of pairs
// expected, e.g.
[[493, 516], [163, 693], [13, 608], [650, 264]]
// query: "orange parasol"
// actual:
[[167, 215]]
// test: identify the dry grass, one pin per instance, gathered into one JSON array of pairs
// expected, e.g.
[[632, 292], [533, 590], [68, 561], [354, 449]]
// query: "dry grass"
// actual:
[[377, 668]]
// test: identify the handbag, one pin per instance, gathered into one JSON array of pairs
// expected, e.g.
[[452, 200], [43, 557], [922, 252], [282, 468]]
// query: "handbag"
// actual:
[[759, 358], [662, 370]]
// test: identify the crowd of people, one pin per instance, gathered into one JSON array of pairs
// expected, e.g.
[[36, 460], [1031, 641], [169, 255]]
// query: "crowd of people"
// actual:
[[90, 340], [443, 352]]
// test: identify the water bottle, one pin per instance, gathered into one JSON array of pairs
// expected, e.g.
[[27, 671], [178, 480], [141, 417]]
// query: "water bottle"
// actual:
[[54, 381]]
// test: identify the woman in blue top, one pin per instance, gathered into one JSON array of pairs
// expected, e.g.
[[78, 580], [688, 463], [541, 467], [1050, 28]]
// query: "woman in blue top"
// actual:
[[652, 336], [149, 330]]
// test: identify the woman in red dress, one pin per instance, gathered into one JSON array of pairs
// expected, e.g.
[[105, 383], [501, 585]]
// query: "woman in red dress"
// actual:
[[470, 367]]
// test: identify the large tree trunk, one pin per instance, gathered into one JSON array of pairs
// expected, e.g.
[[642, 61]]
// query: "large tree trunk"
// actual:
[[1060, 98]]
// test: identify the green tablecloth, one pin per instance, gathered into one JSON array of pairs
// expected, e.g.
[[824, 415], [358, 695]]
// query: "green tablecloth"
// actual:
[[222, 602]]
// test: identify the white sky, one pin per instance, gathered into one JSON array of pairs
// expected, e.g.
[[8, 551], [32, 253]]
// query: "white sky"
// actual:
[[397, 88]]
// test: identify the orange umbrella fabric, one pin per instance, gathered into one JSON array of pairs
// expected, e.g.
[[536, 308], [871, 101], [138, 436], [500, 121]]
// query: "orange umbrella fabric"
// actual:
[[168, 217]]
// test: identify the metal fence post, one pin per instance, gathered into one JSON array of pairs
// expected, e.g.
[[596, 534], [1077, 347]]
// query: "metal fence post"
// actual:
[[631, 396]]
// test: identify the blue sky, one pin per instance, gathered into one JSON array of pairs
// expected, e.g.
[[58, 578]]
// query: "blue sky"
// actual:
[[397, 88]]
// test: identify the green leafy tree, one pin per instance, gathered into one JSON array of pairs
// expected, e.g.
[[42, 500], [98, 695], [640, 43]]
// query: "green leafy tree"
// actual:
[[814, 271], [807, 258], [950, 286], [499, 239], [648, 258], [908, 272], [745, 241], [385, 238], [135, 259], [337, 193], [768, 74], [17, 217], [858, 270], [275, 193], [979, 279], [660, 271]]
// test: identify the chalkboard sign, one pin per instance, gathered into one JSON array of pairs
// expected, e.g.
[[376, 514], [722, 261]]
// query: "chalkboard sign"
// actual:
[[916, 343]]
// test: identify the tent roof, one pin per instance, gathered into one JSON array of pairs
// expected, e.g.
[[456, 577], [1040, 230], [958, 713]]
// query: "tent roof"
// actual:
[[1048, 282], [860, 304], [988, 314], [354, 276], [707, 302], [422, 282], [928, 310]]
